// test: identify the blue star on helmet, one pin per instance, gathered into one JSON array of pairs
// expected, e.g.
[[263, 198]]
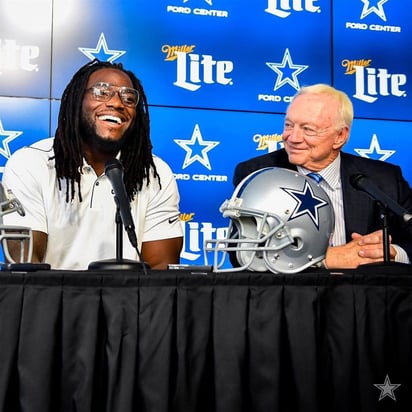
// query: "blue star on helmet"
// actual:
[[307, 203]]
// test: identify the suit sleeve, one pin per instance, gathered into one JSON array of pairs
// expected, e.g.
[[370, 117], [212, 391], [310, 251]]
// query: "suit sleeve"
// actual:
[[402, 232], [241, 171]]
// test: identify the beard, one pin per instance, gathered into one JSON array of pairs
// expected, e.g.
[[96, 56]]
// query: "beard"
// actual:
[[105, 145]]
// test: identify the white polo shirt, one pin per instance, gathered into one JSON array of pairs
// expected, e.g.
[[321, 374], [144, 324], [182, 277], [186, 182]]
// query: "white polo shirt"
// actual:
[[84, 232]]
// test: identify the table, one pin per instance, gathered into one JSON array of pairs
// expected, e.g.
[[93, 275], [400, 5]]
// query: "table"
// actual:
[[119, 341]]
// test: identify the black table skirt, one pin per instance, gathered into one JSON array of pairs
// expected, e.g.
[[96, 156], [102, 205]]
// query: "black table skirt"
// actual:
[[202, 342]]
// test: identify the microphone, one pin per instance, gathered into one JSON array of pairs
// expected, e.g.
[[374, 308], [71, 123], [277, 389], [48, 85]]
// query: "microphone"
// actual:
[[9, 203], [114, 171], [365, 184]]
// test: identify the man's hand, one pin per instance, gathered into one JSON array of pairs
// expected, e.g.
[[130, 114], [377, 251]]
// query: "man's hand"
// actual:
[[362, 249]]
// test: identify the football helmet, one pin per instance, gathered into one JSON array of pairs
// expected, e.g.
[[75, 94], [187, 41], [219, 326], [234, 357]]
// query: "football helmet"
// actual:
[[280, 221], [20, 234]]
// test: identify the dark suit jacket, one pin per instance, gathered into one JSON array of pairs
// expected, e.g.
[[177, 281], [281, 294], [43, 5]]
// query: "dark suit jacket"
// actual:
[[362, 213]]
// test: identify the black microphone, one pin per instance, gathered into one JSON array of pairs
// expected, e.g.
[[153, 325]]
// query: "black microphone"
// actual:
[[365, 184], [114, 171]]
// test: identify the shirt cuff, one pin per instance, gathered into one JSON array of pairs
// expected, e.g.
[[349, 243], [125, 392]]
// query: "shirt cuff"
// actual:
[[401, 255]]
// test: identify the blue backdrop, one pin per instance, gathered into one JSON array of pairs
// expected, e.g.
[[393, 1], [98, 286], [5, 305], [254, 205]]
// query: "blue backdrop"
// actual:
[[218, 75]]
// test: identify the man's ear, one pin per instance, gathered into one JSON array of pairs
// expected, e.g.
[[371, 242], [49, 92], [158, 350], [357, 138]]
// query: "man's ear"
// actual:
[[341, 137]]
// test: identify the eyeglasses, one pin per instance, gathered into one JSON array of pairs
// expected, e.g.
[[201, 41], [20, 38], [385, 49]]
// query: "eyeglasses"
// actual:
[[307, 130], [103, 92]]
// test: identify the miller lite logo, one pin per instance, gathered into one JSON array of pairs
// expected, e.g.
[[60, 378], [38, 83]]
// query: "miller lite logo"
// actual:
[[372, 83], [283, 8], [14, 56], [194, 70]]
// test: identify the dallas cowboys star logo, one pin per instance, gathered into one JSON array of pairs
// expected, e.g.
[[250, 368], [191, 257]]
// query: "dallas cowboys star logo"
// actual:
[[307, 203], [378, 9], [209, 2], [387, 388], [102, 51], [196, 149], [9, 135], [287, 71], [375, 148]]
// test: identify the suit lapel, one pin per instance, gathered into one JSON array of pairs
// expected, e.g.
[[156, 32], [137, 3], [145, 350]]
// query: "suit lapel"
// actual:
[[355, 218]]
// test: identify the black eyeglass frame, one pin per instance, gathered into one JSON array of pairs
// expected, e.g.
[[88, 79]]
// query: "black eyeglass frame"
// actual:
[[104, 92]]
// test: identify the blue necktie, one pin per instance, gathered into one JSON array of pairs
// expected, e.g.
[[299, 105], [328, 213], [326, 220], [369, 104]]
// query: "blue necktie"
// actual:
[[315, 176]]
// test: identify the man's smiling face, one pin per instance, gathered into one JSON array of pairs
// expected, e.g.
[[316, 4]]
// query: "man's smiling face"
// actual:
[[106, 122]]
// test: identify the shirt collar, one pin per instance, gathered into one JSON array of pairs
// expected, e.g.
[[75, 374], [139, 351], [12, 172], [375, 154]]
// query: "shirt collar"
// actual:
[[87, 168], [330, 174]]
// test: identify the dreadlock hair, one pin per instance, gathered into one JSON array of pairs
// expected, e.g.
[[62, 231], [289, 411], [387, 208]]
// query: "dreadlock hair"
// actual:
[[136, 158]]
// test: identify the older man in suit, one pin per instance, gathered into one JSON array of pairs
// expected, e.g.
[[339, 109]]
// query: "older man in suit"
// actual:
[[317, 126]]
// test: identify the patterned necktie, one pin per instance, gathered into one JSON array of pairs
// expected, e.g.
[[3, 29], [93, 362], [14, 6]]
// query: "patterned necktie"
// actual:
[[315, 176]]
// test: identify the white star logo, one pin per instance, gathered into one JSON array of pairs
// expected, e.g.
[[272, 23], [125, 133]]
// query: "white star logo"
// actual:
[[283, 68], [196, 143], [209, 2], [378, 9], [9, 136], [375, 148], [387, 388], [102, 51]]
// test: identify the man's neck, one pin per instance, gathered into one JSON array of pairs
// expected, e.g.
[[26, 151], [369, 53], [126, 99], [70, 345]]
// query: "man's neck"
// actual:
[[97, 159]]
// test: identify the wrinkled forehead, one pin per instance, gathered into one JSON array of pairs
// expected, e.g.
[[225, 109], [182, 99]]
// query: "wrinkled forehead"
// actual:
[[314, 108], [112, 76]]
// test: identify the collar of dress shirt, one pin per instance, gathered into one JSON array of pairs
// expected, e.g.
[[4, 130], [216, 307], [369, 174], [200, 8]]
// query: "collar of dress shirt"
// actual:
[[330, 174]]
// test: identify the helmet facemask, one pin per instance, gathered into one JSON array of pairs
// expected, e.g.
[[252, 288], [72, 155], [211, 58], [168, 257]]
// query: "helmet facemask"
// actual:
[[19, 237]]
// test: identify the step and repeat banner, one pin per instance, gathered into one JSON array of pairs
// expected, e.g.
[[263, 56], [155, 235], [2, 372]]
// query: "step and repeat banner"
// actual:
[[218, 75]]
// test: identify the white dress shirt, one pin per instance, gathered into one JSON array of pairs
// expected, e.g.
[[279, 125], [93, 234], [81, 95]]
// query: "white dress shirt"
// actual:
[[331, 183]]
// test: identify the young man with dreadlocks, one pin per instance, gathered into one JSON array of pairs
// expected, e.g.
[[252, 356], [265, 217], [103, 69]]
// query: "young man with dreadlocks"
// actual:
[[62, 186]]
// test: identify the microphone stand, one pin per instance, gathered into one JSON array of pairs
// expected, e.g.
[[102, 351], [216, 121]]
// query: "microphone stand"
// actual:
[[119, 235], [119, 263], [387, 263], [385, 228]]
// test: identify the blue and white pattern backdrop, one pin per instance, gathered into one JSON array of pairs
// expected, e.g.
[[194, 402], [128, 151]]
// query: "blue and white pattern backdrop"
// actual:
[[218, 76]]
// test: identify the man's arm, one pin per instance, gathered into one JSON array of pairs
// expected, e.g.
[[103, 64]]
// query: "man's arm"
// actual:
[[159, 253], [39, 248]]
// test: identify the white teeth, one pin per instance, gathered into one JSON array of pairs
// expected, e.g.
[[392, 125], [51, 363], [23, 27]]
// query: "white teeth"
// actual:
[[111, 118]]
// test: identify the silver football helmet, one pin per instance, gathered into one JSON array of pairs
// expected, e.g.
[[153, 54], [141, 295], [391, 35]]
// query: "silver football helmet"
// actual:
[[20, 234], [280, 221]]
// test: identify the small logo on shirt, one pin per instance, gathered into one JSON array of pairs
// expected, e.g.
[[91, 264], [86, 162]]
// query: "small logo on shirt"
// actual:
[[173, 219]]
